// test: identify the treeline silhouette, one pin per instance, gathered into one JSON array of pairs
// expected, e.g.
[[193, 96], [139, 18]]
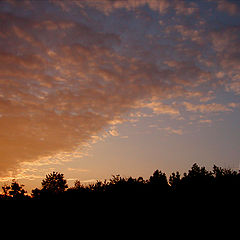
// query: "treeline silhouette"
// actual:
[[197, 182]]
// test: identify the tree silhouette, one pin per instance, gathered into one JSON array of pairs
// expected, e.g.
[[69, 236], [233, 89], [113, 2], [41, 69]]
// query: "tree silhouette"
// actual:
[[6, 189], [158, 178], [15, 191], [54, 183], [197, 181], [175, 180], [158, 182]]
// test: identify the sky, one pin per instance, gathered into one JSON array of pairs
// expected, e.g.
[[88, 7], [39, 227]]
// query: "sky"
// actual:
[[95, 88]]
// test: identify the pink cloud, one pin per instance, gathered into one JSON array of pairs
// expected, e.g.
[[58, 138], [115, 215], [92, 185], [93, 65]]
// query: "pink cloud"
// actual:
[[234, 87], [227, 6], [106, 6], [206, 108], [184, 8], [189, 33]]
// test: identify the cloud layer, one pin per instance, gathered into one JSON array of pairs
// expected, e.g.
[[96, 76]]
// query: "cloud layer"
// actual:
[[71, 68]]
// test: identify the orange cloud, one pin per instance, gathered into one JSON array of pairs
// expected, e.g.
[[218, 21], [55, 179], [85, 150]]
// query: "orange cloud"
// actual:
[[160, 108], [171, 130]]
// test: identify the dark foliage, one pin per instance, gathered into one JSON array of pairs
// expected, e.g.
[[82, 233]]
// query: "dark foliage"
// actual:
[[197, 182], [14, 192], [53, 186]]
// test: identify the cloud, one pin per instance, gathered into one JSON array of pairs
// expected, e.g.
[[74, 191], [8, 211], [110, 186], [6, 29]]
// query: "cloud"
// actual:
[[113, 132], [208, 121], [78, 170], [109, 6], [234, 105], [206, 108], [161, 6], [70, 69], [234, 87], [185, 8], [187, 32], [227, 6], [226, 42], [171, 130], [160, 108]]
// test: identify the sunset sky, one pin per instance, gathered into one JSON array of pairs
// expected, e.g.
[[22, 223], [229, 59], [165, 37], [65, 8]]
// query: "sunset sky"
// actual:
[[92, 88]]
